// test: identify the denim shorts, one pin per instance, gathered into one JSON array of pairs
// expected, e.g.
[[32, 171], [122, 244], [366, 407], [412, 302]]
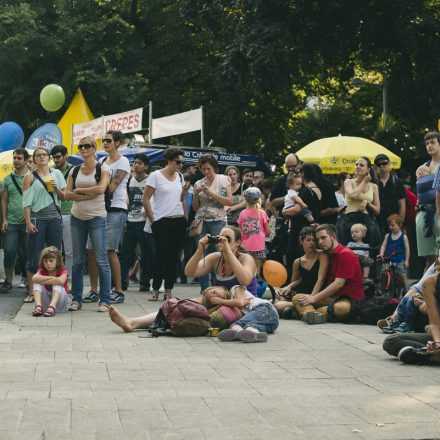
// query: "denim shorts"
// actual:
[[115, 227], [263, 317]]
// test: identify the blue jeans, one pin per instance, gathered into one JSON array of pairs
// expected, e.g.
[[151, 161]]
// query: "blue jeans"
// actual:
[[15, 243], [406, 311], [211, 228], [263, 317], [115, 228], [96, 229], [133, 236], [50, 233]]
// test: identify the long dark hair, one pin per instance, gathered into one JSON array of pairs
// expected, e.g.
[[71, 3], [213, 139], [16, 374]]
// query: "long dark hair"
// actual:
[[372, 169], [309, 173]]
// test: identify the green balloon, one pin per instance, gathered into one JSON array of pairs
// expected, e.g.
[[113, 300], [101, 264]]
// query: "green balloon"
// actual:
[[52, 97]]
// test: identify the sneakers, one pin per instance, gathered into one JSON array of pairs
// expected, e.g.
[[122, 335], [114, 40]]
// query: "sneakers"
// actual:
[[382, 323], [414, 356], [6, 287], [74, 307], [103, 308], [392, 328], [92, 297], [23, 283], [250, 336], [404, 328], [228, 335], [314, 318], [117, 297]]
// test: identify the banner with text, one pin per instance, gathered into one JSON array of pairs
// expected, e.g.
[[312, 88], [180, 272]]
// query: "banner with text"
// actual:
[[127, 122], [177, 124]]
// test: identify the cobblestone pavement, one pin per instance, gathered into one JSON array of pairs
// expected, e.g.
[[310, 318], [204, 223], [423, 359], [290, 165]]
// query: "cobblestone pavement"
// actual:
[[78, 376]]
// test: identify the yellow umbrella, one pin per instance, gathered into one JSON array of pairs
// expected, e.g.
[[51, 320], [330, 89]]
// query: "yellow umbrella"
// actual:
[[339, 154], [6, 166]]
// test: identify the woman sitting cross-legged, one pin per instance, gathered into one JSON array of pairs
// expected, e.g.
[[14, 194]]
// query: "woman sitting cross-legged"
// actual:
[[231, 266], [308, 274]]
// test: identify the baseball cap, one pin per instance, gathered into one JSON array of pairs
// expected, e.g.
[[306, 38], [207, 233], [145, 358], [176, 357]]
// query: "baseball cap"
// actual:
[[252, 194], [380, 157]]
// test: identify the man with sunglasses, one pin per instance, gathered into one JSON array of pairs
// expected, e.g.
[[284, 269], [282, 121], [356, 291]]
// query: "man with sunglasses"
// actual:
[[59, 156], [391, 192]]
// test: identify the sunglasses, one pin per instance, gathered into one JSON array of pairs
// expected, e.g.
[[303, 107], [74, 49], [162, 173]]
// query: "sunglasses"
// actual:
[[107, 141], [382, 164], [86, 146], [41, 155], [179, 162], [57, 156]]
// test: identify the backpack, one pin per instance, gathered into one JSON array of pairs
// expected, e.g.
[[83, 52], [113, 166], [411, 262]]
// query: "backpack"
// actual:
[[181, 318], [370, 310], [107, 195]]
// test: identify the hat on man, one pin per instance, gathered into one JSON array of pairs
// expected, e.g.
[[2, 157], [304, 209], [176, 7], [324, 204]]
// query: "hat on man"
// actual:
[[380, 157], [252, 194]]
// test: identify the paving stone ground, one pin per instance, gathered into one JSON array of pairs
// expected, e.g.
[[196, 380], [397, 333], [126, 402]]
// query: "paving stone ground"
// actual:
[[78, 376]]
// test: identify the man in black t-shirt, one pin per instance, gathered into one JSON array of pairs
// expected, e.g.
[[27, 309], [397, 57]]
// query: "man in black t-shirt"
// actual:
[[391, 192]]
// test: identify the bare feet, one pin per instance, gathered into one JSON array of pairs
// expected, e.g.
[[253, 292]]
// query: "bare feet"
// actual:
[[119, 319]]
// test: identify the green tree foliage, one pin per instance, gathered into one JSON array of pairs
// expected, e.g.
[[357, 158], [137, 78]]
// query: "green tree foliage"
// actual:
[[252, 64]]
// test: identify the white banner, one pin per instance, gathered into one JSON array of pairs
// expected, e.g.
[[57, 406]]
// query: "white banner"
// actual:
[[126, 122], [177, 124], [90, 128]]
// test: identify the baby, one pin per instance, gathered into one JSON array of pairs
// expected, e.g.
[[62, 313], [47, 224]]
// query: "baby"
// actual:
[[358, 233], [294, 183], [426, 196]]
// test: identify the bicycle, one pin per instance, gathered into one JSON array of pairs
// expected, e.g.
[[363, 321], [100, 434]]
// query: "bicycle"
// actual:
[[390, 282]]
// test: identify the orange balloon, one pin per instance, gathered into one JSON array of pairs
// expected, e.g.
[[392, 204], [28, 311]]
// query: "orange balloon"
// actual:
[[274, 273]]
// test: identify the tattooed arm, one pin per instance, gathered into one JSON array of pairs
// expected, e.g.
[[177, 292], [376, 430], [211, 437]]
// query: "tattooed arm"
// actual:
[[117, 178]]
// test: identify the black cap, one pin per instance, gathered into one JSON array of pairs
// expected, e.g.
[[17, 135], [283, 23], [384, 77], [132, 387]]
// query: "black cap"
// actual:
[[380, 157]]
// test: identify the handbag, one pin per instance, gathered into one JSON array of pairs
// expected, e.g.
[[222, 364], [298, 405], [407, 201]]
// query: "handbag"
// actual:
[[195, 228]]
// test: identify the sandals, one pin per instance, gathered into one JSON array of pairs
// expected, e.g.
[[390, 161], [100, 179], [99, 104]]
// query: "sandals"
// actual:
[[29, 299], [434, 347], [154, 296], [49, 312], [167, 296], [38, 311]]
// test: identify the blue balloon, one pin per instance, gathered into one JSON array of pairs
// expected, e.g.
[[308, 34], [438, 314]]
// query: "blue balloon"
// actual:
[[11, 136]]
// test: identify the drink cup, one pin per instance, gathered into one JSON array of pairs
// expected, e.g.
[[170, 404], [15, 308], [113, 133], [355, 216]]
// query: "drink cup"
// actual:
[[48, 180]]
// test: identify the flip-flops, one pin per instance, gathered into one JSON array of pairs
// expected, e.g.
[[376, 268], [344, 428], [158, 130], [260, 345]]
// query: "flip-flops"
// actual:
[[29, 299]]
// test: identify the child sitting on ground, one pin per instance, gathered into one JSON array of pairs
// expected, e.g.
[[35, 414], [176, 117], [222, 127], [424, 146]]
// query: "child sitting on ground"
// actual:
[[294, 183], [50, 284], [358, 233], [254, 227], [260, 317], [395, 246]]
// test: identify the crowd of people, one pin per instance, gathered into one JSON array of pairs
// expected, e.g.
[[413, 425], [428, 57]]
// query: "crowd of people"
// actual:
[[159, 225]]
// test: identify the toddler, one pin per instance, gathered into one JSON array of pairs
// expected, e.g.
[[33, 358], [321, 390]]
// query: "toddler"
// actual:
[[358, 233], [426, 196], [396, 246], [254, 227], [50, 284], [294, 183], [260, 317]]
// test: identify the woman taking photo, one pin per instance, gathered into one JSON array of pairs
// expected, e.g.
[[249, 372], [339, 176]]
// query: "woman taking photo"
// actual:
[[362, 198], [166, 215], [311, 195], [211, 195], [308, 273], [41, 202], [230, 266], [86, 186]]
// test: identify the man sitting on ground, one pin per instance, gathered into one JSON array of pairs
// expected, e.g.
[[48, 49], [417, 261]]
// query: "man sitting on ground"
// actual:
[[344, 282]]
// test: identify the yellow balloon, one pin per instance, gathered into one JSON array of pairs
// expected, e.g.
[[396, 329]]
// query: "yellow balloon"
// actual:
[[274, 273]]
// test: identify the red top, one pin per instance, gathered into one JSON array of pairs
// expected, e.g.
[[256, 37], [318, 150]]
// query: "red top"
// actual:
[[60, 272], [345, 264]]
